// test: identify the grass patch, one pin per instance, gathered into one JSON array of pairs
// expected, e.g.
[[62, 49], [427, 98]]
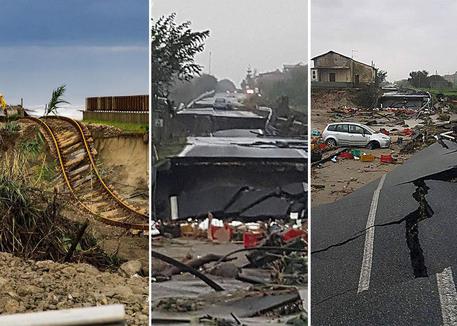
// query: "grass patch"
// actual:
[[137, 128], [32, 224], [170, 149], [450, 92]]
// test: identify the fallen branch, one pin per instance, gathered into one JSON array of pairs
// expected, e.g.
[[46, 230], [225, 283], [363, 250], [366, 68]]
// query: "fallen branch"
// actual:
[[183, 267], [196, 264]]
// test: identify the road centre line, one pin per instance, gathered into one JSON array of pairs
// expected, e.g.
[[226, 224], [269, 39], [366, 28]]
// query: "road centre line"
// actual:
[[365, 272], [448, 296]]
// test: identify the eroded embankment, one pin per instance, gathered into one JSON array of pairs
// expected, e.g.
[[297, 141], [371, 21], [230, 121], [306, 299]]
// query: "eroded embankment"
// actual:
[[126, 156]]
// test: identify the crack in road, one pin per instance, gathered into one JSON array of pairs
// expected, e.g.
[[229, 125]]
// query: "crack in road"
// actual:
[[424, 211]]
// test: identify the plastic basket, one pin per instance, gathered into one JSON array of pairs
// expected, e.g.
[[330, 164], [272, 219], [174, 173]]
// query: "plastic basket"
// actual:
[[367, 158]]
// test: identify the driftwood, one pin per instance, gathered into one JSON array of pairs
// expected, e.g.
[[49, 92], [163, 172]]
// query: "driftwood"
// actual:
[[196, 263], [188, 269], [76, 241]]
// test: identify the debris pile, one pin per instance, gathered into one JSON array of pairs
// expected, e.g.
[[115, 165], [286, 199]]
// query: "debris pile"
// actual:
[[27, 285], [275, 255]]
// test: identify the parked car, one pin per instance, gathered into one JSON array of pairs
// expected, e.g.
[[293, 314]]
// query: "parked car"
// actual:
[[221, 103], [354, 134]]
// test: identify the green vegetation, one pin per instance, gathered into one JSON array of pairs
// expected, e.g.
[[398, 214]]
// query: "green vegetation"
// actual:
[[33, 224], [450, 92], [56, 100], [173, 49], [137, 128], [170, 149], [10, 128]]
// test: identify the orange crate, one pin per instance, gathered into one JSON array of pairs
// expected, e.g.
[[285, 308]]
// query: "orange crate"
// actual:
[[367, 158]]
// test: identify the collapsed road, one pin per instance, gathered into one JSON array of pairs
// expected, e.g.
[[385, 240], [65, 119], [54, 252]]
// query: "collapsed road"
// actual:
[[247, 178], [229, 217], [386, 254]]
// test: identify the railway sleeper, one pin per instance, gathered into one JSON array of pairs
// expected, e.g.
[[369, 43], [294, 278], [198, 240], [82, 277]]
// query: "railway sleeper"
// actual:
[[71, 149], [80, 182], [80, 151], [69, 142], [71, 164], [114, 214], [99, 206], [76, 172], [92, 197], [64, 135]]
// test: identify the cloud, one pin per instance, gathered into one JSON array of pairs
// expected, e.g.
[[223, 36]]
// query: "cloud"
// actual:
[[399, 36]]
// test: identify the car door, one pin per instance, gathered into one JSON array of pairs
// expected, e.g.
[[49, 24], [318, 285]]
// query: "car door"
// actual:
[[342, 132], [358, 137]]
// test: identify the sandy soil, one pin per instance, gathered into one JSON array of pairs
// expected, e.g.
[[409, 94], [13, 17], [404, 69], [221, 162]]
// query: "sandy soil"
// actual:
[[332, 181], [126, 160]]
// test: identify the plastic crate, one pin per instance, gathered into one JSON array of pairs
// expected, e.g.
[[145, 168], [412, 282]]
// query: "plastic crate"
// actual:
[[367, 158], [346, 155], [386, 158]]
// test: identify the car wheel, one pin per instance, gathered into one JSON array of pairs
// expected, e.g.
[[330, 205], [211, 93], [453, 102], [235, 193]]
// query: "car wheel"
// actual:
[[331, 142], [373, 145]]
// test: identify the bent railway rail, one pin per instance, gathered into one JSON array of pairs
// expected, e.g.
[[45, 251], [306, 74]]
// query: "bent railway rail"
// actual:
[[72, 144]]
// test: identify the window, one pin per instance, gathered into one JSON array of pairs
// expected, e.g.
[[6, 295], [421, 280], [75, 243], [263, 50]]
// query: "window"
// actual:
[[353, 129], [332, 128], [342, 128], [332, 77], [367, 132]]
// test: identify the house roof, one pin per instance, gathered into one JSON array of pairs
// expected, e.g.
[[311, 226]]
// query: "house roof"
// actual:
[[333, 52]]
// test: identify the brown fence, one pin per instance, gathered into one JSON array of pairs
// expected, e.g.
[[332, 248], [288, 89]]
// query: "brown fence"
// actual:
[[130, 117], [118, 103]]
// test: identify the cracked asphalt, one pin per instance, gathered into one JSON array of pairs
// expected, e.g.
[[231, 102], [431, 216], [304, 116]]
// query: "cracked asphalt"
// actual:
[[409, 255]]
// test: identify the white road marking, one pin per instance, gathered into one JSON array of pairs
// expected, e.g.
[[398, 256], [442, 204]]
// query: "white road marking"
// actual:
[[448, 296], [186, 150], [365, 272]]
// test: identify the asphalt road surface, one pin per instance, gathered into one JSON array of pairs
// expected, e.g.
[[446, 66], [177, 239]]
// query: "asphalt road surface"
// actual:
[[387, 253]]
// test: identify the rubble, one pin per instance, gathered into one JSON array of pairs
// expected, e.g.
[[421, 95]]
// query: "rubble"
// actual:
[[412, 122], [28, 285]]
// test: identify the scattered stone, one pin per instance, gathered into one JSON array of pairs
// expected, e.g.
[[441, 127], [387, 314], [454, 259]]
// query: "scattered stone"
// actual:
[[131, 268], [28, 286]]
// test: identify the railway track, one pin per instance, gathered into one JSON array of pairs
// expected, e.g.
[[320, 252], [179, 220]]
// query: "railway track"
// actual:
[[72, 144]]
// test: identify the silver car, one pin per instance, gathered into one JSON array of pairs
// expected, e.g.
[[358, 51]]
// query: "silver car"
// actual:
[[354, 134], [221, 103]]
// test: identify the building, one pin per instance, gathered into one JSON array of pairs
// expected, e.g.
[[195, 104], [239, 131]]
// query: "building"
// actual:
[[332, 69], [288, 69]]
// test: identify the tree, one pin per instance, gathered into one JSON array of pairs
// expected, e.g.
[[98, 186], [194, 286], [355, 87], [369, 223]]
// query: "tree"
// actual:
[[173, 49], [381, 77], [184, 92], [56, 100], [419, 79], [437, 81], [225, 85]]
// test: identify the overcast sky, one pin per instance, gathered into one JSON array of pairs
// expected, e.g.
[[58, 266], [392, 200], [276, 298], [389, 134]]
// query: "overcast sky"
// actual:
[[96, 47], [399, 36], [264, 34]]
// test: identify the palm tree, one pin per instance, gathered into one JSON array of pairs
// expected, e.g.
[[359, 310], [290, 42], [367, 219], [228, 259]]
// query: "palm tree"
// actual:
[[56, 100]]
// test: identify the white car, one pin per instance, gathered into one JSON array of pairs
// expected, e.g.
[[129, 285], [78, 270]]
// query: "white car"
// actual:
[[354, 134]]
